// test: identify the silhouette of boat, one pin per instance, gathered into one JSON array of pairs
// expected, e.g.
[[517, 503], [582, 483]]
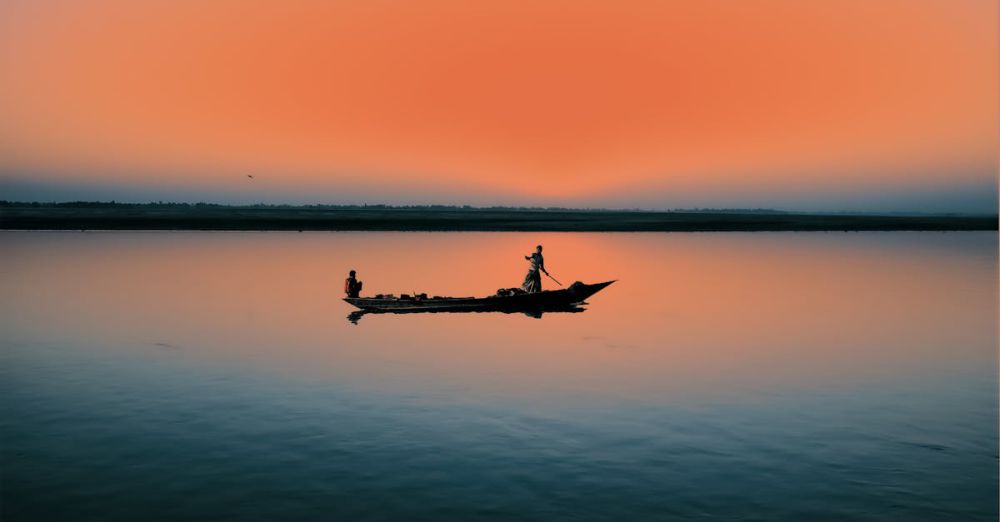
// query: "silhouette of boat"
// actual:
[[564, 299]]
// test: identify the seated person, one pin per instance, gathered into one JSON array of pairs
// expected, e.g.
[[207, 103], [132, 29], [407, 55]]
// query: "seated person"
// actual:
[[352, 287]]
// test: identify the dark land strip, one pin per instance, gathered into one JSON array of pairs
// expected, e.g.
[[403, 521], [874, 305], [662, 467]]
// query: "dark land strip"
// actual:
[[211, 217]]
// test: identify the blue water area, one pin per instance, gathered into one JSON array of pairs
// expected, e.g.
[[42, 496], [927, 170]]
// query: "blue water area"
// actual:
[[134, 388]]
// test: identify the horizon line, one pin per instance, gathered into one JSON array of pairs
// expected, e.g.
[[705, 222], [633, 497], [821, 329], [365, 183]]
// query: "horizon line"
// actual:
[[520, 208]]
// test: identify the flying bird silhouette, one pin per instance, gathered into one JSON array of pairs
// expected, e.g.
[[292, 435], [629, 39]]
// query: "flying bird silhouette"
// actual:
[[250, 176]]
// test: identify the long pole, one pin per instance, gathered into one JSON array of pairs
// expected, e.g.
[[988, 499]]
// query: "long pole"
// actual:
[[554, 279]]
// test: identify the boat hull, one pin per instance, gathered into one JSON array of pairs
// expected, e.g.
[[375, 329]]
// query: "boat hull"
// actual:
[[550, 299]]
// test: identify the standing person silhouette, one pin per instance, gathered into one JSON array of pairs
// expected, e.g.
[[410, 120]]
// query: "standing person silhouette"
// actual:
[[533, 279]]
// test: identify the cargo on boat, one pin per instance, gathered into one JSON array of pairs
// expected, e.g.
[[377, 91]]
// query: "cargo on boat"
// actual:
[[510, 299]]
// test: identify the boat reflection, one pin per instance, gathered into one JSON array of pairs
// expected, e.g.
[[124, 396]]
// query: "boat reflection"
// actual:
[[536, 313]]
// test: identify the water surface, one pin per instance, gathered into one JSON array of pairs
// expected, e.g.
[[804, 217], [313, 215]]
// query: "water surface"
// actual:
[[727, 376]]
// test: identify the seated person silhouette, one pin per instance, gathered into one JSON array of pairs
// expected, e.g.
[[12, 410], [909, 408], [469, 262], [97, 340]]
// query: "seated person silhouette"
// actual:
[[352, 287]]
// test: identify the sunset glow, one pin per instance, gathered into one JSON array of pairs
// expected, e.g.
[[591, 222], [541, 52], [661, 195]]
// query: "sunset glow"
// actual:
[[825, 105]]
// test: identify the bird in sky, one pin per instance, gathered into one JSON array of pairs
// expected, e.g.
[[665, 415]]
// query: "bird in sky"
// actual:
[[250, 176]]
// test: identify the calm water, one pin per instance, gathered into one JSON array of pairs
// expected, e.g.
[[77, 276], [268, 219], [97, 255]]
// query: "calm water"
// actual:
[[762, 376]]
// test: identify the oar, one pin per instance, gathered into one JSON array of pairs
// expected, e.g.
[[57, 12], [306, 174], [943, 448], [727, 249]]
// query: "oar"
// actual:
[[554, 279]]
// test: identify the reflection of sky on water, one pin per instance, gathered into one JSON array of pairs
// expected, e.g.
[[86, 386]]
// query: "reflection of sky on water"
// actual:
[[691, 311], [779, 375]]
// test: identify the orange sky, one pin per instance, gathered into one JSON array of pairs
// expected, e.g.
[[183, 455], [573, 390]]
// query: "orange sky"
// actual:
[[658, 103]]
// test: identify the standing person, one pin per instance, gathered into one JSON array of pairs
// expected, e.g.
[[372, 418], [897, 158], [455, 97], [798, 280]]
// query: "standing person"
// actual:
[[533, 279], [352, 287]]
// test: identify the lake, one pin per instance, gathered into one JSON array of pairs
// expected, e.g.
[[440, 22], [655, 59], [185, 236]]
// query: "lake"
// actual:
[[724, 376]]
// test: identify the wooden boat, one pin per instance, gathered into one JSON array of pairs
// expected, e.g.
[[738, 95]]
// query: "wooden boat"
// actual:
[[546, 300]]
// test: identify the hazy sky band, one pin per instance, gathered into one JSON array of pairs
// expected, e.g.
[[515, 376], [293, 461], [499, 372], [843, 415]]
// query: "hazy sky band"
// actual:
[[851, 104]]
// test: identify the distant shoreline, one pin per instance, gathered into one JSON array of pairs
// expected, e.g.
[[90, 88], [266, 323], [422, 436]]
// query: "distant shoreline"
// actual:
[[252, 218]]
